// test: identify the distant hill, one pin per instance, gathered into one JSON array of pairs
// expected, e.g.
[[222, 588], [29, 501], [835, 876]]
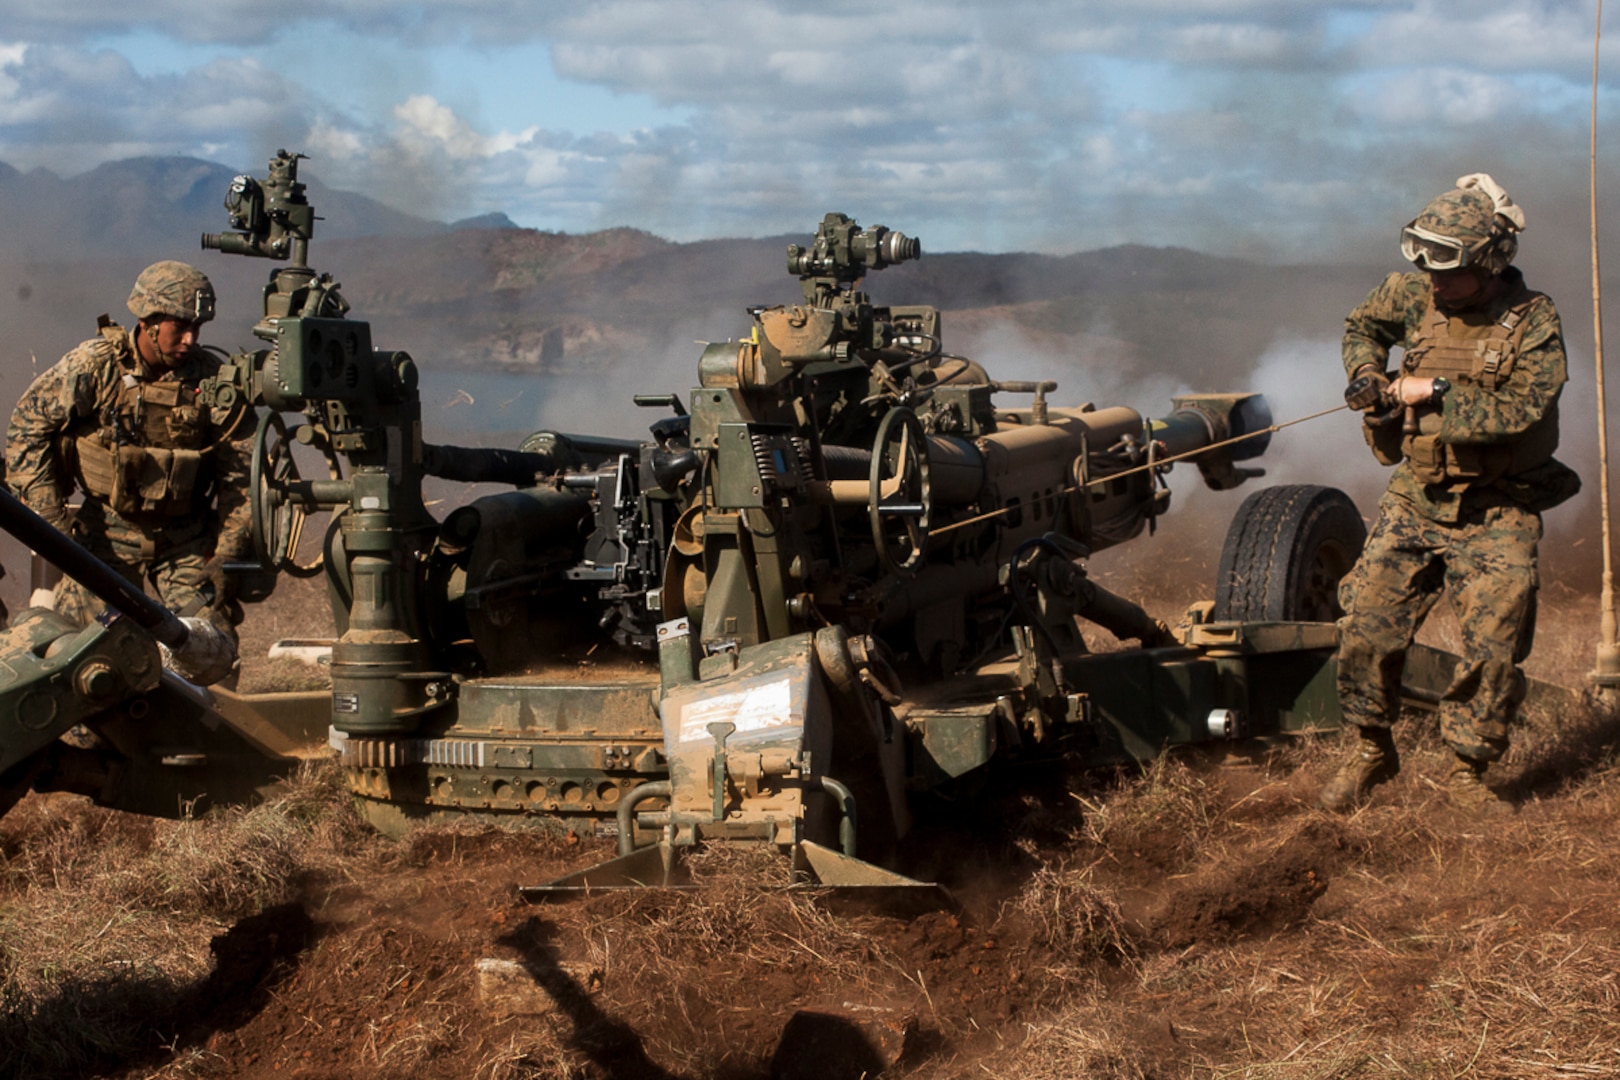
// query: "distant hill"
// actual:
[[526, 300], [150, 203], [483, 293], [495, 220]]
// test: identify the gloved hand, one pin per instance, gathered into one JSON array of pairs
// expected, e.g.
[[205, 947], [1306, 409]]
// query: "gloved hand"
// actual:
[[1368, 391], [207, 656]]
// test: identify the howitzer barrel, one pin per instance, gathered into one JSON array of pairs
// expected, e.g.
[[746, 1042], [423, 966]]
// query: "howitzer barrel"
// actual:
[[1201, 420], [1184, 432], [111, 587], [479, 465], [601, 446], [551, 453]]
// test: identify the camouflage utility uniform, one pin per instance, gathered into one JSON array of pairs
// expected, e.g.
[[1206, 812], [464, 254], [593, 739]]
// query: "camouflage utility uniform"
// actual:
[[1462, 512], [163, 478]]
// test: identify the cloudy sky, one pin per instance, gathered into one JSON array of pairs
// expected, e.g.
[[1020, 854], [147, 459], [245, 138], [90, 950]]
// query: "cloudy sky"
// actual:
[[1270, 128]]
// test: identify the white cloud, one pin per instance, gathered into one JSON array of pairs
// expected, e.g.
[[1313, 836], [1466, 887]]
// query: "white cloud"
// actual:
[[1442, 96], [328, 142], [67, 109], [1313, 196], [1230, 124], [433, 127], [1495, 35], [1240, 43]]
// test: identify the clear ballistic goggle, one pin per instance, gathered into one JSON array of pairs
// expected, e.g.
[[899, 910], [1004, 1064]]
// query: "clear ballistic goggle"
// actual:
[[1431, 251]]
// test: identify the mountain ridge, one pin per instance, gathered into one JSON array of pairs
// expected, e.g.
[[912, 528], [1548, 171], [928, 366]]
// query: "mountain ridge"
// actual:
[[483, 293]]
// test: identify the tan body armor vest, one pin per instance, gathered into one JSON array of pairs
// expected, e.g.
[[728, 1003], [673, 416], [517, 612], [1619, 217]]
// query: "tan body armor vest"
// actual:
[[156, 457], [1484, 359]]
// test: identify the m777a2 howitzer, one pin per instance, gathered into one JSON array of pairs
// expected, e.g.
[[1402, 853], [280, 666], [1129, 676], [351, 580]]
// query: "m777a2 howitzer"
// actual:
[[858, 560]]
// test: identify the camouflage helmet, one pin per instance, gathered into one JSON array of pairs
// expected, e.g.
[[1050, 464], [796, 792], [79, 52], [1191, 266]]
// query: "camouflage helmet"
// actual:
[[1474, 224], [171, 288]]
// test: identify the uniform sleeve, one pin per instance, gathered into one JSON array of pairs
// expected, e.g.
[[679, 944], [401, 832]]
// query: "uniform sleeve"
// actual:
[[1473, 414], [231, 483], [34, 469], [1387, 318]]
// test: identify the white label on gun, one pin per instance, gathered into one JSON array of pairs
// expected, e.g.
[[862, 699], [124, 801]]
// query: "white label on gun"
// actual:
[[765, 706]]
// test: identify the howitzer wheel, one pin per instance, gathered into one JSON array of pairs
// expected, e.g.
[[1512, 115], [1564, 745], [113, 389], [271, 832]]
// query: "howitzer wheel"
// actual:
[[1285, 554], [899, 507], [277, 517]]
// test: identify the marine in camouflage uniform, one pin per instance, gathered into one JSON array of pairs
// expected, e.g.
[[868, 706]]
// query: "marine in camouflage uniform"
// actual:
[[1470, 422], [163, 478]]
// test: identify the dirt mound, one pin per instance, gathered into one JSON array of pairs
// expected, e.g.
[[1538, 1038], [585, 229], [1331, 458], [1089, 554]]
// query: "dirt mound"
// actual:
[[1266, 887]]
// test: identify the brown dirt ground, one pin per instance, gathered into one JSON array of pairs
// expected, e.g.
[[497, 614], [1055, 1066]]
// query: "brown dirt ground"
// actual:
[[1197, 918]]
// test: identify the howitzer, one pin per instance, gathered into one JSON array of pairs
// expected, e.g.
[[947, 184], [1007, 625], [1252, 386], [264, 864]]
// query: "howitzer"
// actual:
[[859, 570], [875, 582], [847, 572]]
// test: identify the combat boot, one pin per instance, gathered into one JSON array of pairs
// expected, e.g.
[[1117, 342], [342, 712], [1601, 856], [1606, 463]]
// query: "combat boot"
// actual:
[[1373, 761], [1466, 790]]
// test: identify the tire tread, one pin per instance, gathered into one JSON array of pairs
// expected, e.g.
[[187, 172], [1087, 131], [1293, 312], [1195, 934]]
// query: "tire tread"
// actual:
[[1273, 536]]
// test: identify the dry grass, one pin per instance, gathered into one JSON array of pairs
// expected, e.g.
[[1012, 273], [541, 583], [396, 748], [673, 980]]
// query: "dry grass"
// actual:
[[1185, 920], [1075, 922], [1166, 807], [689, 969], [1436, 947], [106, 920], [1442, 947], [751, 913]]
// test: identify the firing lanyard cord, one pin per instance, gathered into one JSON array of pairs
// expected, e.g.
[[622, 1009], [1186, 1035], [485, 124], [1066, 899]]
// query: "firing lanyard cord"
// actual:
[[1156, 463]]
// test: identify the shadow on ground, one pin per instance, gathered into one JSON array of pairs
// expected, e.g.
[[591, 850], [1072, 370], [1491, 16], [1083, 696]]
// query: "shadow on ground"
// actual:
[[129, 1018]]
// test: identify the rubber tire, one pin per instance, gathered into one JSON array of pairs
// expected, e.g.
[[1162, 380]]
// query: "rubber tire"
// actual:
[[1285, 553]]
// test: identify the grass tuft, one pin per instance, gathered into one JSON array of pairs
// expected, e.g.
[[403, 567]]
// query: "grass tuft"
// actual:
[[106, 920]]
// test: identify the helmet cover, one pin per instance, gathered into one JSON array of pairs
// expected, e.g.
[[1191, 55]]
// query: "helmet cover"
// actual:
[[1474, 224], [176, 289]]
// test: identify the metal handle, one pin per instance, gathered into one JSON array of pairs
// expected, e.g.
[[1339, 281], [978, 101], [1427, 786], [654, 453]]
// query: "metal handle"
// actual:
[[109, 586]]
